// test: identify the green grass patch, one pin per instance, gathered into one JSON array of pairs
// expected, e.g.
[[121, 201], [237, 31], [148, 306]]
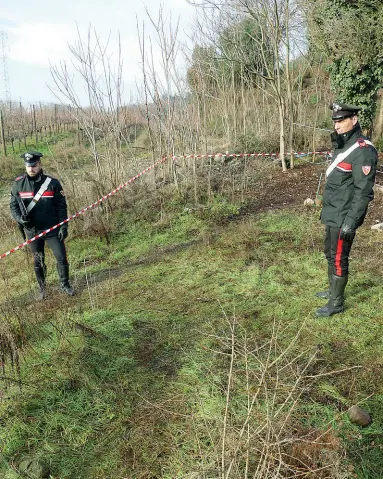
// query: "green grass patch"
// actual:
[[135, 376]]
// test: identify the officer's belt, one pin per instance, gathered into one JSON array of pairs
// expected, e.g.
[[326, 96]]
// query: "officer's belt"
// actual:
[[39, 194], [344, 155]]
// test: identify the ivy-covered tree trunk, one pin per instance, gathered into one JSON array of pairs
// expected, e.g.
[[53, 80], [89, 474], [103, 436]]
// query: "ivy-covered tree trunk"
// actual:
[[357, 85], [349, 34]]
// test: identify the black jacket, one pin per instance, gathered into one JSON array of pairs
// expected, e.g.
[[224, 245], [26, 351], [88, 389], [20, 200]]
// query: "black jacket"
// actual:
[[349, 187], [50, 210]]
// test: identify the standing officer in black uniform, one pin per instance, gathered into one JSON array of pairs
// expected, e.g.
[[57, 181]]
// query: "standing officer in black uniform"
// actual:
[[38, 203], [347, 193]]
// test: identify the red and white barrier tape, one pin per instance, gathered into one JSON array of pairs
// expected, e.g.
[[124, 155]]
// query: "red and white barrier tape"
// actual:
[[93, 205], [242, 155], [163, 159]]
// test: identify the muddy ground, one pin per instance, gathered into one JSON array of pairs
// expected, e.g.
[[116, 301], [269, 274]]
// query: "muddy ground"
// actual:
[[281, 190]]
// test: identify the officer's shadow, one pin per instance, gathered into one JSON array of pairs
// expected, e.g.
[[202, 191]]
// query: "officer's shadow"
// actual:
[[83, 280], [360, 287], [156, 256]]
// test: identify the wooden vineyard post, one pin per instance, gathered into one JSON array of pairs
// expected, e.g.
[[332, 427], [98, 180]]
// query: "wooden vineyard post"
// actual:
[[34, 124]]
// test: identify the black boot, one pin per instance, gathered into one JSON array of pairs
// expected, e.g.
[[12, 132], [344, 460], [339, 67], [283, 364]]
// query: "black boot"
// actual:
[[326, 294], [335, 304], [63, 271], [40, 276]]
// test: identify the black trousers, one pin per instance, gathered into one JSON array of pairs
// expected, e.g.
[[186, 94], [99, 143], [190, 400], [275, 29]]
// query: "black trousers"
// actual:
[[38, 247], [337, 251]]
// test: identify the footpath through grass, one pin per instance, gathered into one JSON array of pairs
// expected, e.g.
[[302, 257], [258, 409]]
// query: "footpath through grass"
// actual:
[[191, 351]]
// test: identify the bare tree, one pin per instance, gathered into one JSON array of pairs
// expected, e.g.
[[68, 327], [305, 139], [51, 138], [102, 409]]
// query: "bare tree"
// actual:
[[275, 40], [164, 94], [103, 119]]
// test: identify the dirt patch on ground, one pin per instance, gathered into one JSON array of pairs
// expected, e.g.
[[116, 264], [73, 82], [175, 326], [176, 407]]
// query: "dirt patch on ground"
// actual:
[[279, 190], [375, 208]]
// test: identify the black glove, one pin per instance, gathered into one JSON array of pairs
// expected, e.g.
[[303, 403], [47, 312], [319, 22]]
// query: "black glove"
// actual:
[[25, 221], [346, 233], [63, 232]]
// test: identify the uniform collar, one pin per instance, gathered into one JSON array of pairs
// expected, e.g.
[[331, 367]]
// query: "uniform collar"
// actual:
[[37, 178], [356, 131], [339, 141]]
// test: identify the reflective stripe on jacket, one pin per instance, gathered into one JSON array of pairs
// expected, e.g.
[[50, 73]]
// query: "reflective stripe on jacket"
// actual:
[[349, 187], [50, 209]]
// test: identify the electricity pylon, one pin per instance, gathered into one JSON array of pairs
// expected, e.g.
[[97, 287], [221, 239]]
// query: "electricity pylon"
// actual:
[[6, 93]]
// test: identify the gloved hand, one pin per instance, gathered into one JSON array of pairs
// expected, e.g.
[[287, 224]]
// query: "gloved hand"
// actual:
[[346, 233], [63, 232], [25, 221]]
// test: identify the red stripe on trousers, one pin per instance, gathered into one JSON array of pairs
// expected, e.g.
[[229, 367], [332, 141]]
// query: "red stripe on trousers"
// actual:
[[339, 248]]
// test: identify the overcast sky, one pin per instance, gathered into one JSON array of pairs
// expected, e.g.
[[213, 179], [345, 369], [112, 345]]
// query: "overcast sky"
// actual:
[[39, 31]]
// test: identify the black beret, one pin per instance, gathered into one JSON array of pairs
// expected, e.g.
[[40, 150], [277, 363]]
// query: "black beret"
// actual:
[[31, 157], [341, 110]]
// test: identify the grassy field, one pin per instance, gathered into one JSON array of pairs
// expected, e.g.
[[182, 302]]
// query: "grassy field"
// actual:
[[191, 351]]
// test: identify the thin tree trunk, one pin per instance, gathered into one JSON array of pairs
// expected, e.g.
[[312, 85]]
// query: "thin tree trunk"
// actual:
[[2, 134]]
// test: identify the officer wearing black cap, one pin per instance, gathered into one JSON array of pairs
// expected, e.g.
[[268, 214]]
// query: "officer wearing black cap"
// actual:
[[38, 203], [348, 190]]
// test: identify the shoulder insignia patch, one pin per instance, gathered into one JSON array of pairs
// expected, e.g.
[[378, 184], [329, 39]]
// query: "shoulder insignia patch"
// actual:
[[366, 169], [19, 177], [362, 143]]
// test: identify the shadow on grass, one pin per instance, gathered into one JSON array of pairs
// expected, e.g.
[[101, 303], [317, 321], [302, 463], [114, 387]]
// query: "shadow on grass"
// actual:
[[80, 284]]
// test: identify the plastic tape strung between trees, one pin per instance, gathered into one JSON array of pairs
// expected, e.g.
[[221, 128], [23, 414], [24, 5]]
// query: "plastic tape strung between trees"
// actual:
[[112, 193], [252, 155], [93, 205], [163, 159]]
